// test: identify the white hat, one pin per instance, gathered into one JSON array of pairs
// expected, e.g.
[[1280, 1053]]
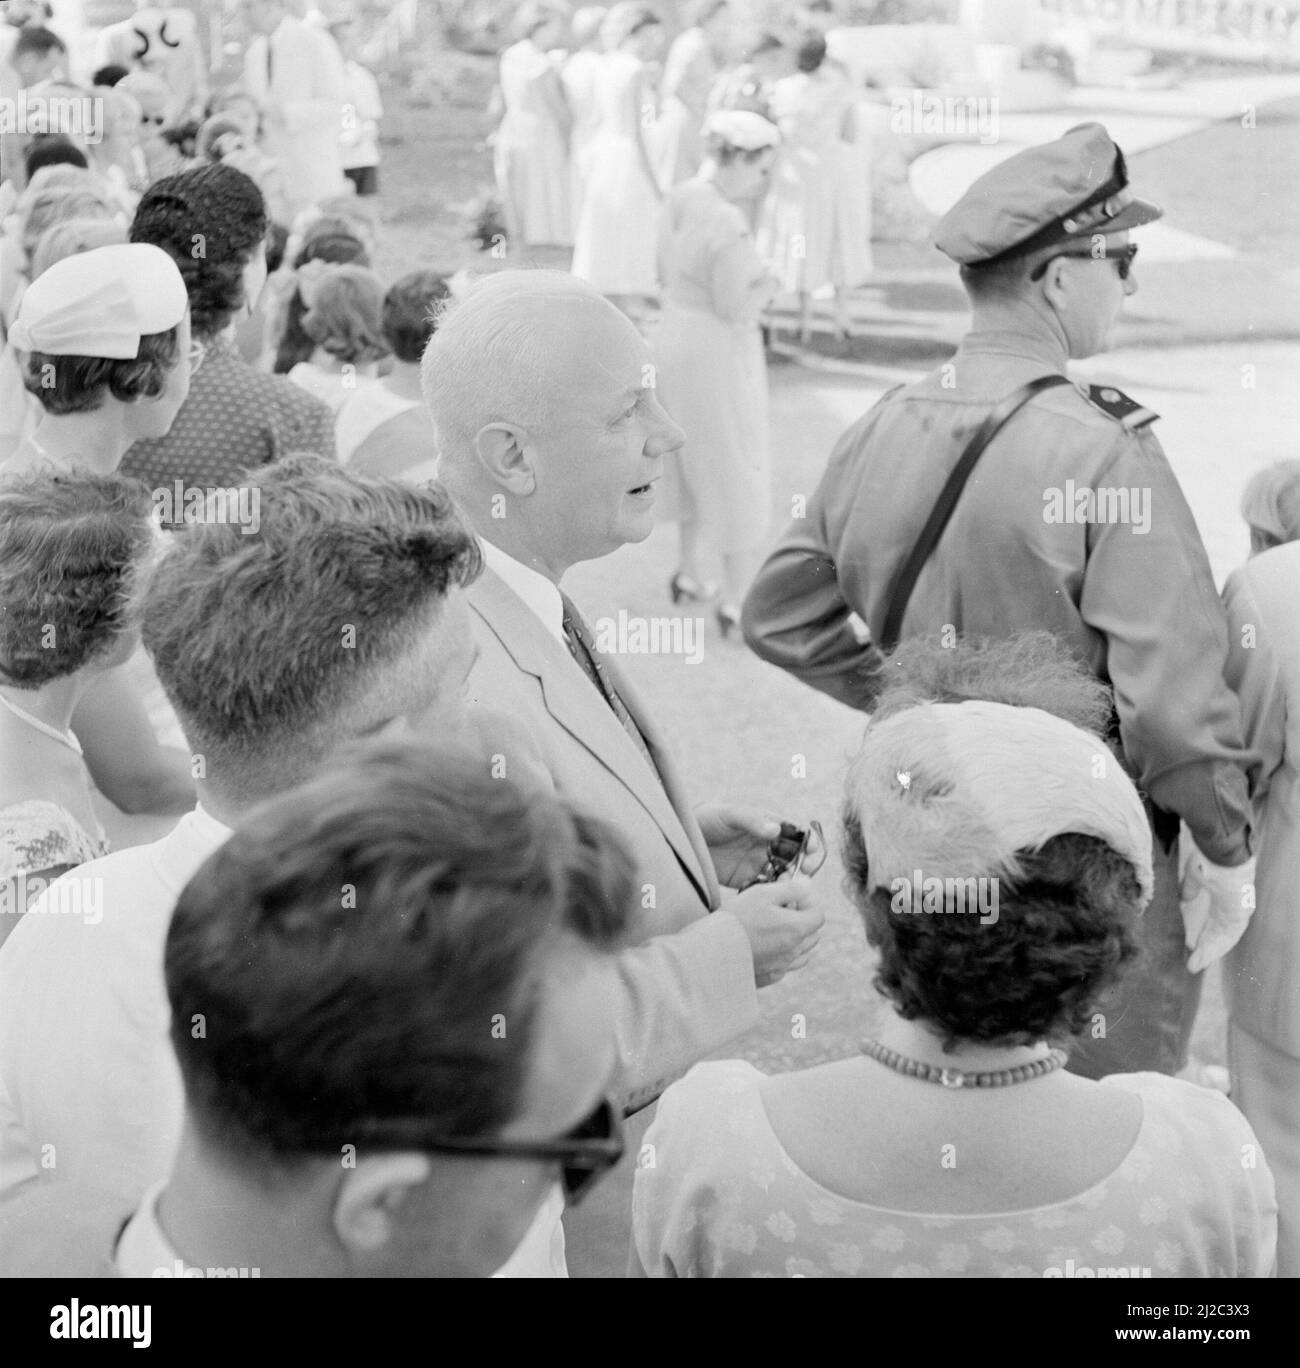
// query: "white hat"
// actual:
[[956, 790], [101, 303], [742, 128]]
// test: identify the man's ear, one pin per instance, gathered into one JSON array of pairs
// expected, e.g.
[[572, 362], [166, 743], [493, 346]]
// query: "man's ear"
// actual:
[[370, 1196], [505, 453], [1054, 283]]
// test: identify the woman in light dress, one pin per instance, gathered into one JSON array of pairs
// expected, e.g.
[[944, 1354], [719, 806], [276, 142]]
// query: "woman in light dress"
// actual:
[[578, 76], [710, 369], [1001, 878], [696, 57], [817, 231], [618, 229], [531, 144], [1262, 971], [70, 546]]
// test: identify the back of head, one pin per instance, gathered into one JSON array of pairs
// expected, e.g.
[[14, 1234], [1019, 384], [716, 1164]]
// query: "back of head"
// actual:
[[35, 41], [213, 208], [70, 550], [1029, 670], [495, 353], [1000, 858], [109, 75], [345, 314], [329, 240], [811, 53], [306, 616], [52, 205], [1271, 502], [333, 1021], [72, 236], [52, 149], [409, 309]]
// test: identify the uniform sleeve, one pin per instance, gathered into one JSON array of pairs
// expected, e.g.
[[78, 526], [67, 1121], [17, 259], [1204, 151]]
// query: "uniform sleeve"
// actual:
[[795, 615], [1254, 675], [1150, 592]]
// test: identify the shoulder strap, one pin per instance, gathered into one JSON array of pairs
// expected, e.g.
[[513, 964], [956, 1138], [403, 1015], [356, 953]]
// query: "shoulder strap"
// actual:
[[905, 580]]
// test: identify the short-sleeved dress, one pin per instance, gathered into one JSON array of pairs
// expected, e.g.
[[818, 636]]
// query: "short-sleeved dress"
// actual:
[[722, 1198], [711, 373]]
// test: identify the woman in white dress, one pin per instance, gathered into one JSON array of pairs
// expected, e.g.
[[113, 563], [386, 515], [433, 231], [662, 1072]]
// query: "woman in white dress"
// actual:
[[817, 229], [696, 57], [578, 76], [711, 372], [617, 232], [532, 141]]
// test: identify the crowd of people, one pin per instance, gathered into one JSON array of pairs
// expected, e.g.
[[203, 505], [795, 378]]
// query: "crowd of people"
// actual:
[[357, 920]]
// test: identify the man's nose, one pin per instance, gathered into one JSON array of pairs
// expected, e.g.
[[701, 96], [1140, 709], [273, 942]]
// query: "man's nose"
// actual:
[[665, 435]]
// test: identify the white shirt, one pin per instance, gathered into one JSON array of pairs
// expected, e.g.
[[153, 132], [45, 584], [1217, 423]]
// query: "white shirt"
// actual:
[[89, 1088], [144, 1249], [540, 595]]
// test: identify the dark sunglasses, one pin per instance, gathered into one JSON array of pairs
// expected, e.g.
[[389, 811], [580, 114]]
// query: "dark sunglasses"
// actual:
[[585, 1153], [1123, 260]]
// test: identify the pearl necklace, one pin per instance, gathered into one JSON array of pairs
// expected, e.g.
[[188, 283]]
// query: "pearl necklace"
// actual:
[[958, 1078], [63, 738]]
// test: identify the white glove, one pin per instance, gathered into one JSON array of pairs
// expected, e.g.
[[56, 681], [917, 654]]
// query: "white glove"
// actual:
[[1216, 903]]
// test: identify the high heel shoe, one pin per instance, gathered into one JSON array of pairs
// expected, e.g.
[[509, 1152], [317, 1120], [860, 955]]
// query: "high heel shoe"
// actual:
[[728, 615], [684, 586]]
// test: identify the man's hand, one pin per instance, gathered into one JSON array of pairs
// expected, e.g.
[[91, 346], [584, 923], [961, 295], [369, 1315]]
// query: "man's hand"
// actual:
[[782, 925], [1216, 901], [737, 838]]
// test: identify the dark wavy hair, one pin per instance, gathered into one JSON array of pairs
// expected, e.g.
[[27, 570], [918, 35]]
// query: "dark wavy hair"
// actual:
[[328, 239], [335, 1020], [215, 208], [409, 308], [811, 53], [78, 384], [346, 315], [70, 549], [1063, 935]]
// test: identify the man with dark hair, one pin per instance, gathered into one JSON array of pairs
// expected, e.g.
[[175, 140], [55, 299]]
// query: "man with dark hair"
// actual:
[[212, 221], [406, 1042], [1074, 523], [314, 607]]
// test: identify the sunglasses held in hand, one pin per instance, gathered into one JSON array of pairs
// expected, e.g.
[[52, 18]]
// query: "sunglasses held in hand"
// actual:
[[794, 851]]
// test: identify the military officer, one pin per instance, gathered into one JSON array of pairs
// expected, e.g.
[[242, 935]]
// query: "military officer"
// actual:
[[1071, 520]]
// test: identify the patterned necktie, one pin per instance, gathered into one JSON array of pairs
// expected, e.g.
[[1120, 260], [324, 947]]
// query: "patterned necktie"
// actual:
[[582, 648]]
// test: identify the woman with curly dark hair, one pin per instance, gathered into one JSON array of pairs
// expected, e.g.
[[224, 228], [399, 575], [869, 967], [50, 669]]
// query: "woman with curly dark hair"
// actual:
[[1000, 859], [70, 547]]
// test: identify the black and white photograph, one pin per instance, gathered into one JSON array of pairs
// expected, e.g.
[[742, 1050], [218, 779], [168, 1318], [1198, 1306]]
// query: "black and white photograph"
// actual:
[[650, 641]]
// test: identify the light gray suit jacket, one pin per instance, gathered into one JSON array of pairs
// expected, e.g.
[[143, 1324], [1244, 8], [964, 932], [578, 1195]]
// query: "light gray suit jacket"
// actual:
[[686, 986]]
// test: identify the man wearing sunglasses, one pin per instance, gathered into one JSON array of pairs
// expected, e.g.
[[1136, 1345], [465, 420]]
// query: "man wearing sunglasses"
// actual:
[[1070, 519], [390, 1008]]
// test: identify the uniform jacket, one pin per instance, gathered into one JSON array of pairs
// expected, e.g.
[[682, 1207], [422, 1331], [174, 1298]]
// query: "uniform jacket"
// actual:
[[686, 986], [1073, 522]]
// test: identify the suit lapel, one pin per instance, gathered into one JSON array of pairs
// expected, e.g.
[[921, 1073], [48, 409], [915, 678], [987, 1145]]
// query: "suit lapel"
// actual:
[[574, 703]]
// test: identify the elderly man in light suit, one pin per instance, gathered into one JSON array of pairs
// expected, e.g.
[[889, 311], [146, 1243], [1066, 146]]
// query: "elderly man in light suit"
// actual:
[[552, 440]]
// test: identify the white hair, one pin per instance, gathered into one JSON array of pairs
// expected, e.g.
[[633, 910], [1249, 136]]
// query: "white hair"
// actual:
[[489, 360]]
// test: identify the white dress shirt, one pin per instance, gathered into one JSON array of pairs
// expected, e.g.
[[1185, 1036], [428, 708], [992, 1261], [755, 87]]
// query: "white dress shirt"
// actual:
[[539, 594]]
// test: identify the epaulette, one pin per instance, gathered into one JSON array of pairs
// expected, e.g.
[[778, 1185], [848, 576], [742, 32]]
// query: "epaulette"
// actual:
[[1116, 404]]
